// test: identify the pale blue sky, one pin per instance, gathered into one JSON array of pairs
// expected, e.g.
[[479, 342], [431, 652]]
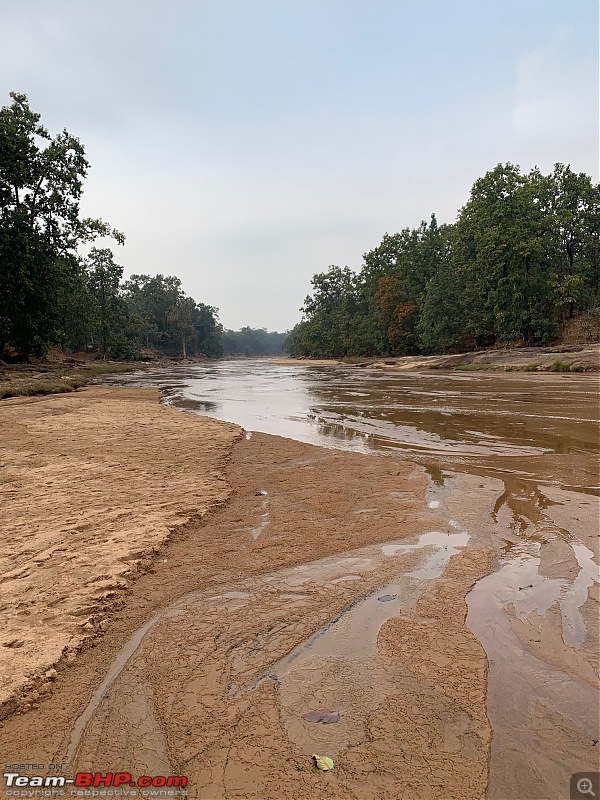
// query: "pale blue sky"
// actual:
[[245, 146]]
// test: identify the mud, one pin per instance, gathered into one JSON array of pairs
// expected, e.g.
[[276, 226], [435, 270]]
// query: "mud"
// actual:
[[512, 459], [448, 611], [208, 668]]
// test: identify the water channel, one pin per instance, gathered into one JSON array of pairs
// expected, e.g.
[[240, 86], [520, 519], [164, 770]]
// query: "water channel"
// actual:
[[534, 439]]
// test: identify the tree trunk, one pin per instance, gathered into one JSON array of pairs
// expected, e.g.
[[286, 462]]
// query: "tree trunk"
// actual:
[[183, 344]]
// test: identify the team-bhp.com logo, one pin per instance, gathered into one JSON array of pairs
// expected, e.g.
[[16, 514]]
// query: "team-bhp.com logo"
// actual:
[[84, 783]]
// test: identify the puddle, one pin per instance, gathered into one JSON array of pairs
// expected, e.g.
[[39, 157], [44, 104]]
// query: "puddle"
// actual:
[[265, 516], [517, 678], [518, 586], [351, 636], [446, 544]]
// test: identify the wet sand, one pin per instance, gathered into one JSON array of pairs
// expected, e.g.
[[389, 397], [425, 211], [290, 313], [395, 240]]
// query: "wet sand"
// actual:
[[267, 609], [348, 582]]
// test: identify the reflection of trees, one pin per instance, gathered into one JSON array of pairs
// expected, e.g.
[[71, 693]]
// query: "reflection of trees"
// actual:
[[526, 503]]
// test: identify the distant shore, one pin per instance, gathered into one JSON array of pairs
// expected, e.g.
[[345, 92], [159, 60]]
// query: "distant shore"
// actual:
[[563, 358]]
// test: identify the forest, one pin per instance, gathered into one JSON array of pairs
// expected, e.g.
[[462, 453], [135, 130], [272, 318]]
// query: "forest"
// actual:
[[522, 257], [56, 288]]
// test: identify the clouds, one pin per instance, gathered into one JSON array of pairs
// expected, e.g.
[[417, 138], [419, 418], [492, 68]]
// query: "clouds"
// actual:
[[245, 146]]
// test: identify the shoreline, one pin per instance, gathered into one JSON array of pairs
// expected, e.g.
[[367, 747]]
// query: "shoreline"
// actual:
[[562, 358], [295, 548], [315, 517]]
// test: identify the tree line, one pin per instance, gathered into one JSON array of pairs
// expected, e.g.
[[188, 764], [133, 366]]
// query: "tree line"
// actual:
[[522, 257], [252, 342], [56, 289], [52, 293]]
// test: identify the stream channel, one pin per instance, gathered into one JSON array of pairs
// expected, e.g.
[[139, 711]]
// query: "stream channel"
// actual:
[[530, 443]]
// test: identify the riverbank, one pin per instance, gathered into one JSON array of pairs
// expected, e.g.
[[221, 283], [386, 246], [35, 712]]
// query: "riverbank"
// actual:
[[564, 358], [94, 484], [98, 480], [61, 374], [425, 613]]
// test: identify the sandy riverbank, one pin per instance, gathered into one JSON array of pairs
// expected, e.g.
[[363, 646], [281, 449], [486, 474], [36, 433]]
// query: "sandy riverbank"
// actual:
[[93, 483], [574, 358], [99, 477], [320, 579]]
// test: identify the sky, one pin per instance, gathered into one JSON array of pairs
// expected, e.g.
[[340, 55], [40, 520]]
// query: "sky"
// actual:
[[245, 145]]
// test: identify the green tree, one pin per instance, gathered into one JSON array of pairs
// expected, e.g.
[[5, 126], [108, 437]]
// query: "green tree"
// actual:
[[498, 252], [208, 331], [41, 181], [104, 277], [180, 317], [570, 207]]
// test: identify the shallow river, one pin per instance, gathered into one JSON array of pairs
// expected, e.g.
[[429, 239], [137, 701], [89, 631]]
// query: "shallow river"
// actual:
[[533, 442]]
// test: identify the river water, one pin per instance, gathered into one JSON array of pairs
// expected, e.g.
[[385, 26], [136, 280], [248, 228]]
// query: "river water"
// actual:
[[533, 441]]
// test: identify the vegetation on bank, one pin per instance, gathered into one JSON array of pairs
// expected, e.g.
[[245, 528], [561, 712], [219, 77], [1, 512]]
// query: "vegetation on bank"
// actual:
[[56, 291], [252, 342], [522, 258]]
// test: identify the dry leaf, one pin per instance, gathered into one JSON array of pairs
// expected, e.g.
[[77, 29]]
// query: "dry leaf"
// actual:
[[323, 762]]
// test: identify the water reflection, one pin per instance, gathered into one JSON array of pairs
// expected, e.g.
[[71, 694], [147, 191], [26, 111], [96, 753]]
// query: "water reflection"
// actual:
[[543, 428]]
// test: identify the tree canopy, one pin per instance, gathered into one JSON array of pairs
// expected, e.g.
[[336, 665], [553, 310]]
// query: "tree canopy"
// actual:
[[522, 257], [52, 293], [252, 342]]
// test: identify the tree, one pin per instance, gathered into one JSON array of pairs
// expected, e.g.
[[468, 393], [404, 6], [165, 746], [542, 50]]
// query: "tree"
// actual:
[[498, 252], [104, 277], [208, 330], [41, 182], [180, 316], [570, 205], [526, 248]]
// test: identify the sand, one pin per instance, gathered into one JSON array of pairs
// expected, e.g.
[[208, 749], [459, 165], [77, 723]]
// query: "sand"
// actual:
[[93, 484], [578, 358], [211, 589]]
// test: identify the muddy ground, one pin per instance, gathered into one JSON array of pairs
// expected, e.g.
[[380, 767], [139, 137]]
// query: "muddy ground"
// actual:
[[217, 688], [321, 579]]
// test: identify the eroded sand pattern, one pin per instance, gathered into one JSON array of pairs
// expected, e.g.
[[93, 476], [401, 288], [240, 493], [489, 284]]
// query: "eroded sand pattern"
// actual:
[[93, 483], [450, 621]]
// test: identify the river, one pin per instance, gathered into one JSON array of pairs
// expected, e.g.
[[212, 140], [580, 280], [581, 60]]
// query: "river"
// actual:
[[532, 441]]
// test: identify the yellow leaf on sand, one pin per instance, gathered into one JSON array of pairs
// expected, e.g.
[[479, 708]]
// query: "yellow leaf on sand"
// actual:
[[323, 762]]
